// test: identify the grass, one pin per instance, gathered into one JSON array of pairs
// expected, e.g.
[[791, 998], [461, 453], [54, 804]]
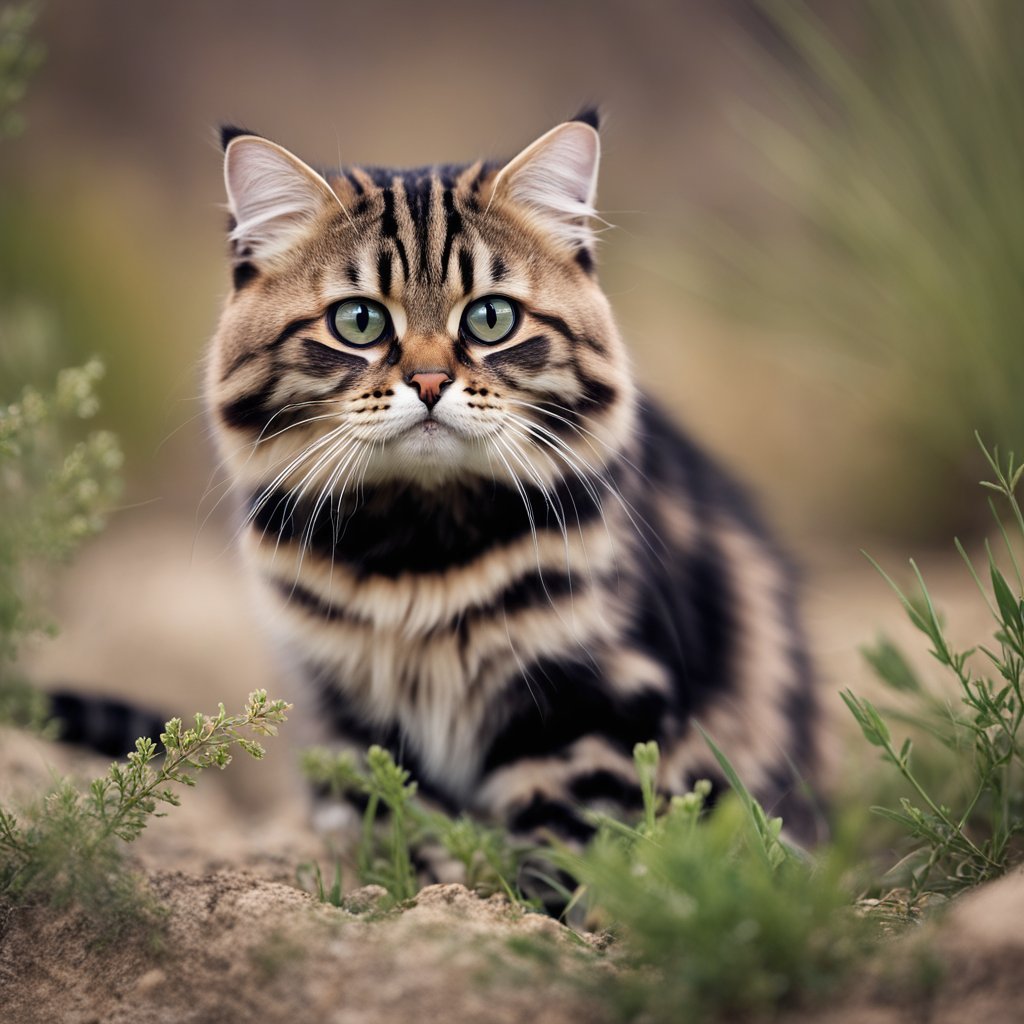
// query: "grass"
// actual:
[[895, 151]]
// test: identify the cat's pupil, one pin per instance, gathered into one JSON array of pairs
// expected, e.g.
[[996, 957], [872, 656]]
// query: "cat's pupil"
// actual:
[[492, 316], [362, 318]]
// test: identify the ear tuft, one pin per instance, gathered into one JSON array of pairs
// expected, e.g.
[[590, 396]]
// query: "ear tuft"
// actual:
[[274, 197], [230, 132], [555, 181], [589, 115]]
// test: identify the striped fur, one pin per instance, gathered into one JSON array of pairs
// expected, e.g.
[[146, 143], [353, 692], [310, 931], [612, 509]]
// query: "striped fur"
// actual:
[[511, 587]]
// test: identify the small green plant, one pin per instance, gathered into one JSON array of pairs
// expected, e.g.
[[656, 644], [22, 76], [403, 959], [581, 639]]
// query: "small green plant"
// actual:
[[729, 918], [54, 492], [395, 824], [961, 839], [68, 847]]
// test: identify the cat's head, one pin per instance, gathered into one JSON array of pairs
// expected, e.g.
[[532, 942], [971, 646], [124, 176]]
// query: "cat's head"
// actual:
[[423, 326]]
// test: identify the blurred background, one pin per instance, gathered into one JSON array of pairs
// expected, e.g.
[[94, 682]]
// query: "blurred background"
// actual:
[[817, 253]]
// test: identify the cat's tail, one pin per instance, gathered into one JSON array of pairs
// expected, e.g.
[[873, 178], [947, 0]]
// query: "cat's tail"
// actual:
[[104, 724]]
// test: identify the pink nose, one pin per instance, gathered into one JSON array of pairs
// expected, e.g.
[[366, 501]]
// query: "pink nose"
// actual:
[[429, 386]]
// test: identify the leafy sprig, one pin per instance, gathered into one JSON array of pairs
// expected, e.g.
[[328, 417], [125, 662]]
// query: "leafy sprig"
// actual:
[[68, 847], [974, 835]]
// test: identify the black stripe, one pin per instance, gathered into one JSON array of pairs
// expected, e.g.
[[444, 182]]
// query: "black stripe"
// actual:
[[418, 190], [319, 359], [552, 815], [478, 178], [534, 590], [388, 224], [530, 356], [293, 328], [395, 531], [462, 355], [403, 258], [238, 362], [354, 182], [602, 784], [384, 261], [560, 702], [498, 268], [389, 228], [453, 225], [466, 270], [558, 324], [596, 394], [352, 273], [570, 419], [250, 412]]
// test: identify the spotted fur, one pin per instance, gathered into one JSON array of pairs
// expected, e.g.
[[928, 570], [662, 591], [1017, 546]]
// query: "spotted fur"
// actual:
[[512, 586]]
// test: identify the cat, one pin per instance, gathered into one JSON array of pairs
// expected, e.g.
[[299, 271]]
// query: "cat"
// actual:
[[473, 538]]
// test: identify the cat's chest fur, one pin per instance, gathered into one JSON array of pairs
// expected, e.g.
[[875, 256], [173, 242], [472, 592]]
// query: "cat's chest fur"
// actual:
[[414, 617]]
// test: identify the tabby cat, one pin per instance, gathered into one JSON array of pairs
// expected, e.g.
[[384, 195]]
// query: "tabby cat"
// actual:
[[474, 539]]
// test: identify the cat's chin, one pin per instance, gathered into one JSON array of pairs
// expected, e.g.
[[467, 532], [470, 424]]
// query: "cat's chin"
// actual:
[[430, 454]]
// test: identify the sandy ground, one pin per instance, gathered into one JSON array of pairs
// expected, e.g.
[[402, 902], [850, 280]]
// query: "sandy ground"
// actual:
[[152, 612]]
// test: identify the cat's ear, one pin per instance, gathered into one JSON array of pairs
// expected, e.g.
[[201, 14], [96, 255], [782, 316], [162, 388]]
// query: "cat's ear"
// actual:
[[275, 199], [555, 180]]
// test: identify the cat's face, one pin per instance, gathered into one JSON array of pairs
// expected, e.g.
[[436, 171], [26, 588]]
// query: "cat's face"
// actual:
[[425, 326]]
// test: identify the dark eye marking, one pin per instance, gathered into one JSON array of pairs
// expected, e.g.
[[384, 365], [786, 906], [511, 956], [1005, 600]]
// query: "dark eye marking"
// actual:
[[530, 355], [293, 328], [319, 359], [558, 324]]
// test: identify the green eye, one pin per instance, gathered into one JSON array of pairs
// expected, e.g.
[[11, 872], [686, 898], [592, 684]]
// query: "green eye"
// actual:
[[489, 320], [358, 321]]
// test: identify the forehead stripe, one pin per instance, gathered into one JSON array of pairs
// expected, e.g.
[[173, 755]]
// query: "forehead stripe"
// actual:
[[453, 225], [466, 270], [384, 263]]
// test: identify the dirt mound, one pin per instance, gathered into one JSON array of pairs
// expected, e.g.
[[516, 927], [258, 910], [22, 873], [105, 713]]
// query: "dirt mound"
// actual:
[[239, 948]]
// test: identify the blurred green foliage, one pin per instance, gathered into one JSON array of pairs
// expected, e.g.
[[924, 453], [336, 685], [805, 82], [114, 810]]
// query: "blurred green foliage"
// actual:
[[55, 484], [20, 55], [899, 149], [54, 492]]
